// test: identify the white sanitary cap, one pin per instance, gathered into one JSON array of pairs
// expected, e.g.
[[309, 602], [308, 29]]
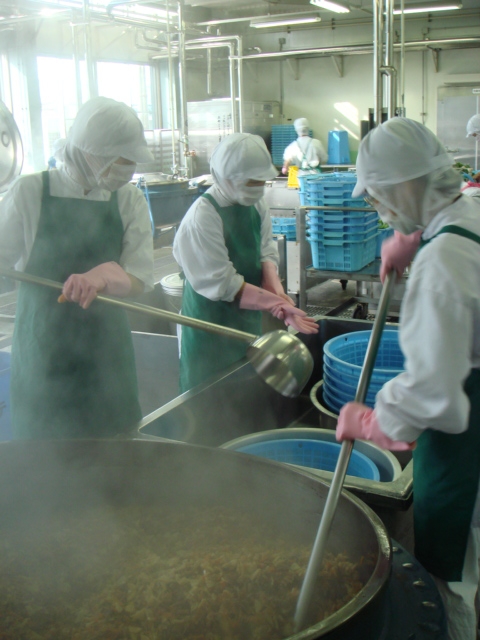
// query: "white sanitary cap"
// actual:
[[104, 127], [240, 157], [58, 148], [473, 126], [103, 131], [405, 166], [301, 126], [396, 151]]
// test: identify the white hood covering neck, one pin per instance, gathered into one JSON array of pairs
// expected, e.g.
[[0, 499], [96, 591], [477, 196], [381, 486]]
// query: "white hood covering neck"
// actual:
[[238, 158], [403, 165], [103, 131]]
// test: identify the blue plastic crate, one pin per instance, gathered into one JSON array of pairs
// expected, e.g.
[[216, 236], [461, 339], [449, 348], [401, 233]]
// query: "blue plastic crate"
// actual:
[[341, 223], [5, 415], [282, 220], [347, 256], [313, 454], [345, 217], [383, 234], [346, 353], [338, 237], [289, 234]]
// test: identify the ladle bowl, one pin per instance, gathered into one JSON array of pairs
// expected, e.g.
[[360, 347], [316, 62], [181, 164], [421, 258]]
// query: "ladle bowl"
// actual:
[[282, 361]]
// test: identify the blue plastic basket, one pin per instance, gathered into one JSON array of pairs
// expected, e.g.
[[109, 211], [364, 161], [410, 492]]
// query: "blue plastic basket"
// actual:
[[5, 417], [345, 380], [313, 454], [346, 353], [332, 255]]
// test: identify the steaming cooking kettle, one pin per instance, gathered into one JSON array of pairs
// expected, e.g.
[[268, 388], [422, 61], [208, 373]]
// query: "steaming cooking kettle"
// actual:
[[11, 148]]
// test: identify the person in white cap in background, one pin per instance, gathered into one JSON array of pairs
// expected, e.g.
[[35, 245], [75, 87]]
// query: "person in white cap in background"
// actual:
[[305, 152], [406, 174], [73, 372], [472, 187], [225, 248]]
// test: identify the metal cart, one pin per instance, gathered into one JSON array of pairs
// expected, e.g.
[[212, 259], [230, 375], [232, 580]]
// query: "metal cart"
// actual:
[[364, 278]]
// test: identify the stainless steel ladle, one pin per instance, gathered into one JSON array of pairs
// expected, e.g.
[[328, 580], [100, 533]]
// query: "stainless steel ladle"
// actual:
[[279, 357], [318, 551]]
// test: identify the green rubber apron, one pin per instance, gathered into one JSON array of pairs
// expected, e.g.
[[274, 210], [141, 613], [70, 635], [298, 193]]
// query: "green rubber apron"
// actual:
[[73, 370], [204, 354], [446, 472]]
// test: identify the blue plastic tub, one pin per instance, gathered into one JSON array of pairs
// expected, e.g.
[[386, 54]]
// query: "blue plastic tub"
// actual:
[[5, 416], [338, 147], [333, 255], [313, 454], [346, 353]]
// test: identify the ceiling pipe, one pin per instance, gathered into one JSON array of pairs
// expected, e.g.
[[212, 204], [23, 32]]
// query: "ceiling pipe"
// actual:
[[360, 48]]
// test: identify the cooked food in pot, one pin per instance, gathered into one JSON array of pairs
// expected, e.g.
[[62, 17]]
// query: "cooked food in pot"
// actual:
[[155, 573]]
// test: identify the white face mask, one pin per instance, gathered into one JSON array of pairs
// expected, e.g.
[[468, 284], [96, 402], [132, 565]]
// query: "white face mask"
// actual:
[[238, 192], [249, 195], [117, 176], [397, 221]]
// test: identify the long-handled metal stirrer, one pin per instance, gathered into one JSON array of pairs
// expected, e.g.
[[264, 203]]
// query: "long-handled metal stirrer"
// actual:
[[279, 357], [318, 551]]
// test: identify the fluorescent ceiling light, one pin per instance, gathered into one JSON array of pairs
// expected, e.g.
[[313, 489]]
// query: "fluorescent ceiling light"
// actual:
[[281, 21], [330, 6], [428, 8]]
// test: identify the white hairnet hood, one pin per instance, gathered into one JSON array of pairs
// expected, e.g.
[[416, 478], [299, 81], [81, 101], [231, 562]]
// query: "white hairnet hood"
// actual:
[[107, 128], [238, 158], [103, 131], [473, 126], [405, 166], [301, 126], [241, 157]]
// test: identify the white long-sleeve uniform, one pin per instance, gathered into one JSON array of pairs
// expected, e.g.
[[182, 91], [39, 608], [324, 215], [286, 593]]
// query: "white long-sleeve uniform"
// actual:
[[20, 213], [439, 332], [311, 148], [199, 248]]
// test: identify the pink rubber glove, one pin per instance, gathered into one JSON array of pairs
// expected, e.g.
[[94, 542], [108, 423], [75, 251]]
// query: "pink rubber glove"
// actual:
[[271, 281], [108, 278], [398, 252], [284, 170], [257, 299], [358, 422]]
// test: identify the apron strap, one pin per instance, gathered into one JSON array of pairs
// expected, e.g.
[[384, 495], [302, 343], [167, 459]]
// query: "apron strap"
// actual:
[[456, 230]]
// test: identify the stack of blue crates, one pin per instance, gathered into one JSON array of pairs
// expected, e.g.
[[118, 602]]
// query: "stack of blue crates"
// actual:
[[282, 136], [284, 226], [340, 240]]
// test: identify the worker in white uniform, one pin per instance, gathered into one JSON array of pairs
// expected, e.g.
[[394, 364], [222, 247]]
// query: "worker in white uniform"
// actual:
[[224, 246], [435, 402], [305, 152], [472, 187], [73, 369]]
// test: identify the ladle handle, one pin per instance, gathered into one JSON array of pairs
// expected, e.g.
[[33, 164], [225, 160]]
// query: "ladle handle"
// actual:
[[318, 551], [140, 308]]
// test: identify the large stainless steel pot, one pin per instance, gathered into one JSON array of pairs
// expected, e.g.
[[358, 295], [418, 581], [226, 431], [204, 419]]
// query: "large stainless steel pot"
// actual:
[[38, 478]]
